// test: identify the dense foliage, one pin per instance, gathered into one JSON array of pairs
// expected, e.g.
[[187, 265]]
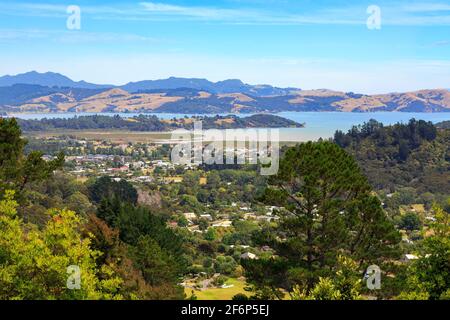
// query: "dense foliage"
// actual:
[[134, 256], [415, 155], [329, 211]]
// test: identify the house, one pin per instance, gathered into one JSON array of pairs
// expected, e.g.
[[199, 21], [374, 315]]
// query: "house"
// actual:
[[194, 229], [206, 216], [248, 255], [175, 179], [190, 215], [138, 164], [248, 216], [172, 224], [224, 224], [409, 257], [121, 169]]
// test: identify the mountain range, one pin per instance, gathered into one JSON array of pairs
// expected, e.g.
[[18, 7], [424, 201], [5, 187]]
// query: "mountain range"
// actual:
[[53, 92]]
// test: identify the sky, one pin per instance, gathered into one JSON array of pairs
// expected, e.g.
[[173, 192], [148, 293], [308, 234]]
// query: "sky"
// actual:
[[354, 45]]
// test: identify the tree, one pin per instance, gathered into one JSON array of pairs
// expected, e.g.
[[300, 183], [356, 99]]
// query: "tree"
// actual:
[[120, 257], [210, 234], [329, 210], [344, 285], [78, 202], [16, 169], [157, 266], [403, 150], [410, 221], [105, 187], [239, 296], [34, 262]]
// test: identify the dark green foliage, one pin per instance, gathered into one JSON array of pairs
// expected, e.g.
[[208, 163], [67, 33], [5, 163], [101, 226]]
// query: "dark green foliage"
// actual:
[[410, 221], [330, 210], [240, 296], [157, 266], [414, 155], [105, 187], [134, 222], [155, 249], [268, 276], [403, 137], [16, 169]]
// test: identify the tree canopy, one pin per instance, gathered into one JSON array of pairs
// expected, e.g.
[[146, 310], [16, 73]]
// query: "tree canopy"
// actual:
[[329, 210]]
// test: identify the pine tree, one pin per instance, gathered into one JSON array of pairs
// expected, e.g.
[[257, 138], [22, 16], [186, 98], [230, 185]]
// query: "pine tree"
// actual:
[[329, 210]]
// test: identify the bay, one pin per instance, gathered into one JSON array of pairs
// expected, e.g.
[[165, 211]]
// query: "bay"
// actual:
[[318, 124]]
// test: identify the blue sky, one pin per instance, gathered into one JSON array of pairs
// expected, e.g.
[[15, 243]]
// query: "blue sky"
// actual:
[[307, 44]]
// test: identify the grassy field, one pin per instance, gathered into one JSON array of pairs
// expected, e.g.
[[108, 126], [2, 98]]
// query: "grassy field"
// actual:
[[219, 293], [117, 136]]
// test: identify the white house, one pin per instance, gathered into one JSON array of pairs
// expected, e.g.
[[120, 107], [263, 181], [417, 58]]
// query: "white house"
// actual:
[[248, 255], [224, 224], [190, 215], [409, 257]]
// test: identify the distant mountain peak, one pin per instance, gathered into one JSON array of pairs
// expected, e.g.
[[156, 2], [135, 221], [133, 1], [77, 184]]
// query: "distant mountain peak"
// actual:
[[47, 79]]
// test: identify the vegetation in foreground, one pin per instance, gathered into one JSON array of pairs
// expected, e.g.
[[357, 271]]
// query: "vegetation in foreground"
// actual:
[[328, 221]]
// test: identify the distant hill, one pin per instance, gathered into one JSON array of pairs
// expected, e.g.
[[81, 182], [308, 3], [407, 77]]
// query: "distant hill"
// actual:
[[51, 79], [221, 87], [47, 79], [19, 94], [52, 92], [153, 123]]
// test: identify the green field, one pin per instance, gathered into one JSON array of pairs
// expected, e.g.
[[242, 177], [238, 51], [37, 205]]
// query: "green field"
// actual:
[[219, 293], [118, 136]]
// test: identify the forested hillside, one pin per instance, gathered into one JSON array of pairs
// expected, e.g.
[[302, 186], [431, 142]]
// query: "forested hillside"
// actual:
[[415, 155]]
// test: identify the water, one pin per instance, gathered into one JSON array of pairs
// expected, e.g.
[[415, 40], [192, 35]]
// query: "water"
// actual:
[[318, 124], [325, 124]]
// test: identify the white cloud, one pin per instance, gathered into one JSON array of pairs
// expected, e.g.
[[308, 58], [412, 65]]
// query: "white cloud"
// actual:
[[427, 7], [66, 36], [414, 13], [441, 43]]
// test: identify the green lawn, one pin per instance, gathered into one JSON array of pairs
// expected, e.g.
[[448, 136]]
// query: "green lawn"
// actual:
[[219, 293]]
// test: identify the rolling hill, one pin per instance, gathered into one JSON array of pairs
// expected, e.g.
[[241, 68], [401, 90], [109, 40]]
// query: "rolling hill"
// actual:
[[51, 92]]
